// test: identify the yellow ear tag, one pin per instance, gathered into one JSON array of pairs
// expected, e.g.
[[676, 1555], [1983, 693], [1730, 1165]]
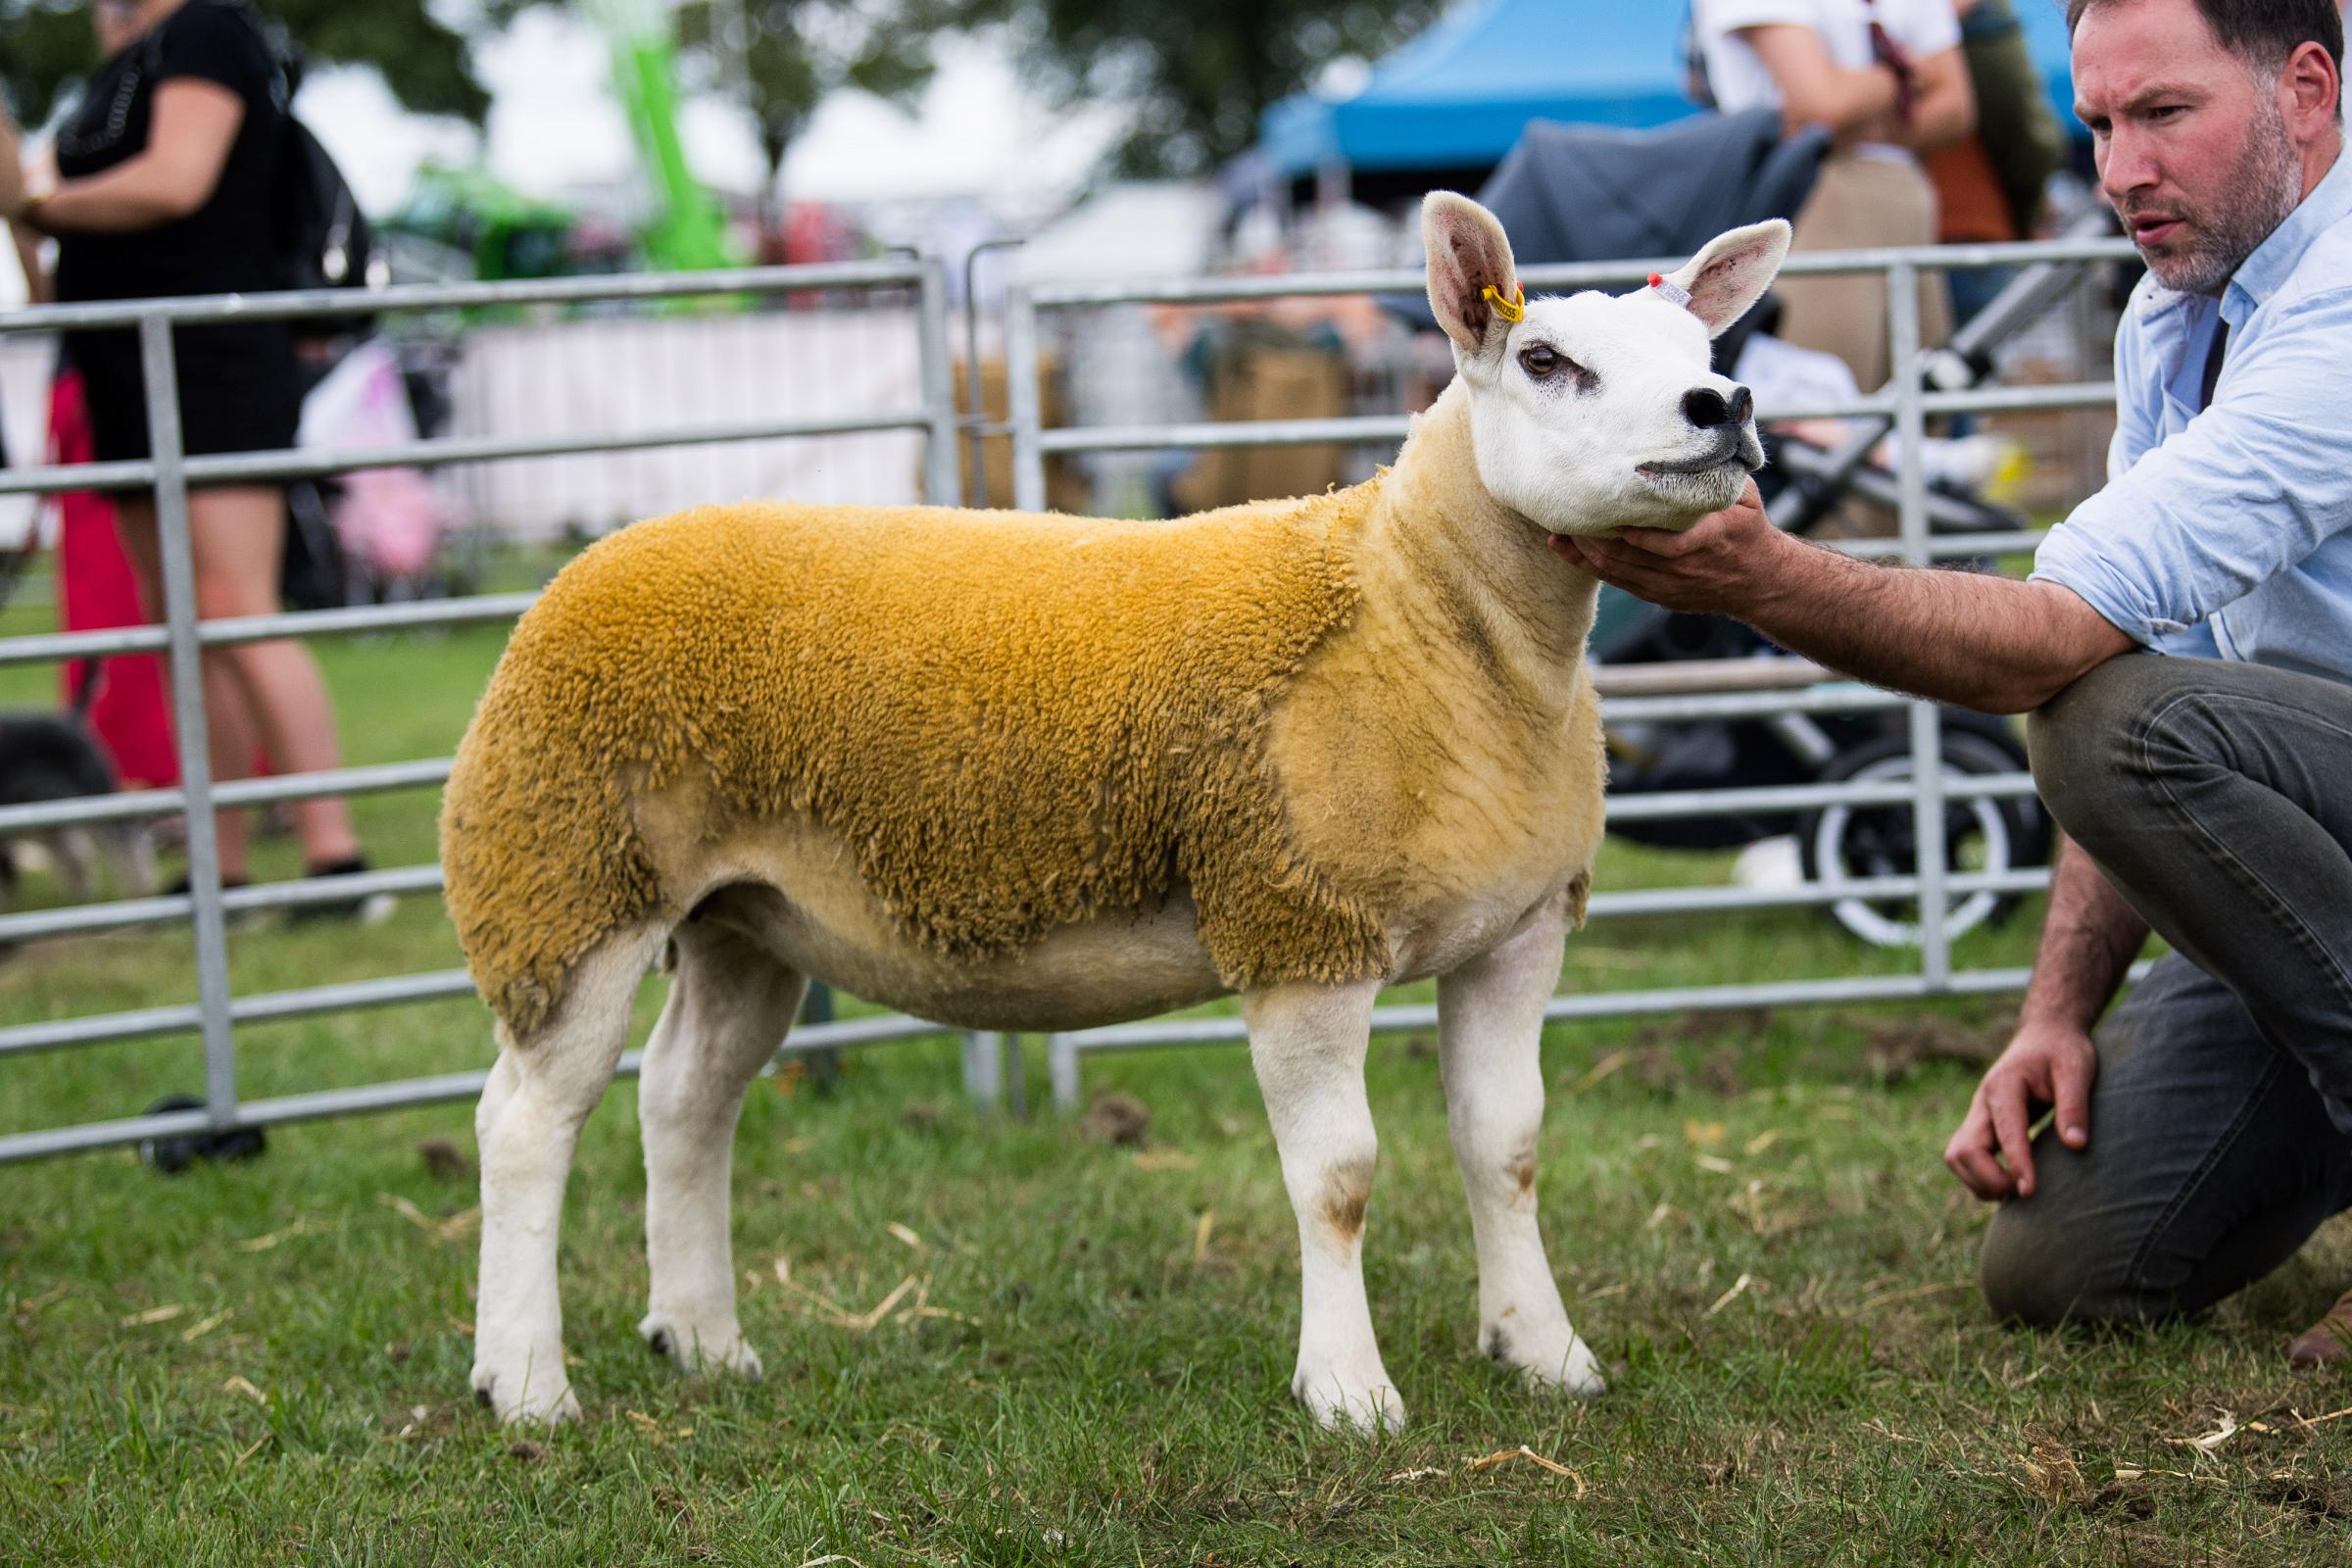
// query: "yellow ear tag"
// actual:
[[1511, 310]]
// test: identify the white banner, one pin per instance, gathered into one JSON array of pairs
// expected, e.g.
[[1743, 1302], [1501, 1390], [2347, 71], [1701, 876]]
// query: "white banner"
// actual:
[[626, 375]]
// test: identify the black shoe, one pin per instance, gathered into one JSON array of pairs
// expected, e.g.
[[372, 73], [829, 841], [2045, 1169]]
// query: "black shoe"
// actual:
[[181, 885], [369, 908]]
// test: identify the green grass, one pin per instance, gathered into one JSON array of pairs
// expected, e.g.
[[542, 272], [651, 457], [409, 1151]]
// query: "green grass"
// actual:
[[267, 1362]]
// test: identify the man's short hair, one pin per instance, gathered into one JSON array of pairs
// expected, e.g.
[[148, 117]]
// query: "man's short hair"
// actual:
[[2260, 33]]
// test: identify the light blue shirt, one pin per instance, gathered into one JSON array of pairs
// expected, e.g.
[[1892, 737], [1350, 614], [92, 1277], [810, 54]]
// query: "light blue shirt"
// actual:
[[2226, 532]]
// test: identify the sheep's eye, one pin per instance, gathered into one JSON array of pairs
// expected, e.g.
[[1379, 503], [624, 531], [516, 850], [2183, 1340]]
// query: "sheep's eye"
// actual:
[[1540, 360]]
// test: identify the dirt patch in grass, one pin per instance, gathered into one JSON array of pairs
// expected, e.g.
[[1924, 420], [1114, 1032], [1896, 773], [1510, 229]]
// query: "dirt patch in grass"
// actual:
[[1897, 1048], [1701, 1025], [1117, 1118], [444, 1161], [2315, 1497]]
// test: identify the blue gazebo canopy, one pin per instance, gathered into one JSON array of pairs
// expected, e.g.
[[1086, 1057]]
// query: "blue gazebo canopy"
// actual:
[[1460, 93]]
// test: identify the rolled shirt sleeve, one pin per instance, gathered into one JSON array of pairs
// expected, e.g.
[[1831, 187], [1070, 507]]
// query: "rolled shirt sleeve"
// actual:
[[2246, 491]]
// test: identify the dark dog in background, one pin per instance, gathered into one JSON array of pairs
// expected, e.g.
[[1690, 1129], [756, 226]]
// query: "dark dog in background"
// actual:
[[52, 756]]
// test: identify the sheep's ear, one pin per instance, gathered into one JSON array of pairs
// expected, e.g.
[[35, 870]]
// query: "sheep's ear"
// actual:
[[1467, 256], [1732, 273]]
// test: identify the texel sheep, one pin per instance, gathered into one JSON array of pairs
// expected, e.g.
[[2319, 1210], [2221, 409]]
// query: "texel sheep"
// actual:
[[1024, 772]]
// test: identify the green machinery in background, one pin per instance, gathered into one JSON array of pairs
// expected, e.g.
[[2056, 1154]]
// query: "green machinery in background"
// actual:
[[478, 226], [687, 232]]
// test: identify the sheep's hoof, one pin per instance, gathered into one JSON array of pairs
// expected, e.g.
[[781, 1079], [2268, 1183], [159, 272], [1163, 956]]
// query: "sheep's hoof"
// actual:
[[1554, 1361], [527, 1405], [719, 1348], [1365, 1403]]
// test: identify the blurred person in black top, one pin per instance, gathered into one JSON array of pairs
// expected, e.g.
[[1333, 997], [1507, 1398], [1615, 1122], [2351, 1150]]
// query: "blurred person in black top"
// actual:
[[166, 180]]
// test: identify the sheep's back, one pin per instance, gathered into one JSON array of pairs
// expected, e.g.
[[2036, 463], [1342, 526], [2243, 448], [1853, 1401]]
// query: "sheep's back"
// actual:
[[1014, 721]]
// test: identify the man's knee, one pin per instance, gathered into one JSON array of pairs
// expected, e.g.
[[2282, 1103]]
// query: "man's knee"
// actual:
[[2084, 743], [2023, 1279], [2029, 1276], [2042, 1269]]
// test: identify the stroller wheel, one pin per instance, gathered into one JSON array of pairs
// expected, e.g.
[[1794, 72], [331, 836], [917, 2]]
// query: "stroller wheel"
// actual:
[[1851, 843]]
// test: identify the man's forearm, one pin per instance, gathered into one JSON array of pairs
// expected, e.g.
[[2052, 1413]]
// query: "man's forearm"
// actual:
[[1978, 641], [1816, 90], [1946, 111], [2088, 939], [1988, 643]]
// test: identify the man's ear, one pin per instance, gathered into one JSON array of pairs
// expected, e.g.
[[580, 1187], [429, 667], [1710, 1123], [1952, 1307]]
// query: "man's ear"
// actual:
[[1467, 256], [1732, 273]]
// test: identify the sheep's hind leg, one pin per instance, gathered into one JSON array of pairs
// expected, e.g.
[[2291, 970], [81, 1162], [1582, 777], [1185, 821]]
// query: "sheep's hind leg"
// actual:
[[1491, 1024], [1308, 1043], [730, 1004], [527, 1125]]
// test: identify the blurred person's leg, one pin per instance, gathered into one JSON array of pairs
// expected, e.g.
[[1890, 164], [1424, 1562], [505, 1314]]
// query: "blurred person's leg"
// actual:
[[231, 736], [238, 535], [273, 690]]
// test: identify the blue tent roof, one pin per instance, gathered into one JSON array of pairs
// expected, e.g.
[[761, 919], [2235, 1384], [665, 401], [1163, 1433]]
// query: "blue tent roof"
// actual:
[[1461, 92]]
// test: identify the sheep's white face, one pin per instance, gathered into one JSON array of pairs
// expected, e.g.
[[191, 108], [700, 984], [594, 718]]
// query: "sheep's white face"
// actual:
[[1598, 412]]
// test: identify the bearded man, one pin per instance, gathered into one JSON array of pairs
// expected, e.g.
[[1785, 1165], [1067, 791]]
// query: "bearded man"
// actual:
[[2185, 646]]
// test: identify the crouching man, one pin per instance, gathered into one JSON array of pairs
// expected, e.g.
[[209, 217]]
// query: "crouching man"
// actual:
[[2185, 645]]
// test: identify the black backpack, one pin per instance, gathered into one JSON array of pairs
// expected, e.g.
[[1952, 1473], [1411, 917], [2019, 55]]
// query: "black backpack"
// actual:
[[324, 238]]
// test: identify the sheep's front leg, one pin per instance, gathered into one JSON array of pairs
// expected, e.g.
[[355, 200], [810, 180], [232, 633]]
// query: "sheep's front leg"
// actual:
[[1490, 1023], [1308, 1043]]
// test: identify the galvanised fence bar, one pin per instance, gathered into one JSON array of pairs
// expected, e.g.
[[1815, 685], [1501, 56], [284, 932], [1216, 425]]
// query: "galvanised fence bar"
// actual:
[[1904, 405], [990, 1072], [169, 473]]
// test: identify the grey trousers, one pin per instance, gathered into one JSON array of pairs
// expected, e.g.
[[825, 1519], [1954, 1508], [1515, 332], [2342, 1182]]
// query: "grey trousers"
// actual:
[[2217, 797]]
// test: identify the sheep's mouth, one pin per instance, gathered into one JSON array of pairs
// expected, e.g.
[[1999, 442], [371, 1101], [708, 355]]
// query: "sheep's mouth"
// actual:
[[1739, 447]]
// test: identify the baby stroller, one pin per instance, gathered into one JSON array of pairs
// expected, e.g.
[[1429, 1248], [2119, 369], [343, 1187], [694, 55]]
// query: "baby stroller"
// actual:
[[1572, 193]]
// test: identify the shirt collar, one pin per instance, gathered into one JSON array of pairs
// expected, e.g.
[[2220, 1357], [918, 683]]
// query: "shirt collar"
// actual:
[[2274, 260]]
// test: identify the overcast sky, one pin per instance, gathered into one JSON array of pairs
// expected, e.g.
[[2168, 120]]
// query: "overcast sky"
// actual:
[[554, 122]]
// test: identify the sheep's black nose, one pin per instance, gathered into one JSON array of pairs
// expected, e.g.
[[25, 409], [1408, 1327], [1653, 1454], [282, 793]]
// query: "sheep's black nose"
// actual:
[[1707, 409]]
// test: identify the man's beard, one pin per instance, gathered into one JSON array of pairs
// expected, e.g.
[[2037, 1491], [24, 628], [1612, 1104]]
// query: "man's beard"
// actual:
[[2265, 187]]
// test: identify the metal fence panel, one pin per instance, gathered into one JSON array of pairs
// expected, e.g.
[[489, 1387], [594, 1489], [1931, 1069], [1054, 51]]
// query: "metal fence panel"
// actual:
[[1907, 403], [991, 1064], [169, 471]]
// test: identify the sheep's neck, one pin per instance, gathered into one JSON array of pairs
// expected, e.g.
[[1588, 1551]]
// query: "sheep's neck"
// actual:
[[1448, 556]]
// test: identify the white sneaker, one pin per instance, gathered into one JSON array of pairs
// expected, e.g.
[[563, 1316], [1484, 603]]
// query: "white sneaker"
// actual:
[[1770, 866]]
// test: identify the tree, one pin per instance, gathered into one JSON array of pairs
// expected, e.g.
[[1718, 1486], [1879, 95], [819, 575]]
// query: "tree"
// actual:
[[1197, 75], [779, 57], [47, 49]]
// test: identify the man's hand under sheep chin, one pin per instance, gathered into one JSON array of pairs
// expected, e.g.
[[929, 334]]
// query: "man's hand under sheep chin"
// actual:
[[1985, 642], [1714, 567]]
